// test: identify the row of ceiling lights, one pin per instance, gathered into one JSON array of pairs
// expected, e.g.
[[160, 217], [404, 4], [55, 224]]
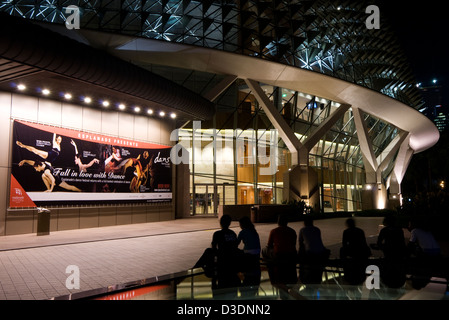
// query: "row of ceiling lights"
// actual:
[[87, 100]]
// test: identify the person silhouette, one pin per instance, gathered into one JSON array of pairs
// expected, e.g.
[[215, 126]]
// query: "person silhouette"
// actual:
[[391, 239], [310, 242], [282, 259], [425, 252], [312, 253], [354, 253], [392, 243], [354, 243], [220, 261], [225, 245], [422, 243], [251, 257]]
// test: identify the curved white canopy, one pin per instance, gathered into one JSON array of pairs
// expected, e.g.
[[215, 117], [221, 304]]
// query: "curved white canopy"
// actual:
[[423, 133]]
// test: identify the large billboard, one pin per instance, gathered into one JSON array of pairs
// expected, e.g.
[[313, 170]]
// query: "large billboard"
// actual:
[[53, 166]]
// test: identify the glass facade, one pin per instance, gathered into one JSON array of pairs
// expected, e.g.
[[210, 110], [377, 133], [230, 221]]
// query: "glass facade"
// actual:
[[237, 158]]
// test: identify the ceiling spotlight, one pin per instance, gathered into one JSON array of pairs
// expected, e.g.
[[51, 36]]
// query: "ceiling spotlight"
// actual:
[[105, 103], [173, 115], [150, 111], [87, 100], [21, 87], [137, 109], [45, 92], [162, 113], [121, 106], [67, 96]]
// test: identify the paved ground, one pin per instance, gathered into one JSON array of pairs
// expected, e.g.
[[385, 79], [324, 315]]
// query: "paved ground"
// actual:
[[34, 267]]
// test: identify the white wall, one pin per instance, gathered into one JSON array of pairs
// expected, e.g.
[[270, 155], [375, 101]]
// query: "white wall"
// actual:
[[112, 123]]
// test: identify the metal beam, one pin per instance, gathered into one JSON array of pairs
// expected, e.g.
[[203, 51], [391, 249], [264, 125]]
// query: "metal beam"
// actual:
[[403, 159], [325, 126], [391, 149], [285, 131], [365, 144], [215, 92]]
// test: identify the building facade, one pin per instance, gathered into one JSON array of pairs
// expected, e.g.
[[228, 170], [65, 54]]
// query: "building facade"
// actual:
[[307, 101]]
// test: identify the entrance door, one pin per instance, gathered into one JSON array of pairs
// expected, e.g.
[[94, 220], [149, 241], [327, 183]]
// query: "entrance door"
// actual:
[[207, 199]]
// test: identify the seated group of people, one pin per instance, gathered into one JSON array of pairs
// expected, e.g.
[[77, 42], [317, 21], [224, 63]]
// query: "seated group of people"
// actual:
[[224, 261]]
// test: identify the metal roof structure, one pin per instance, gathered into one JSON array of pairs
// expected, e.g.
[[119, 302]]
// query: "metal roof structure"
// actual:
[[33, 52], [329, 37]]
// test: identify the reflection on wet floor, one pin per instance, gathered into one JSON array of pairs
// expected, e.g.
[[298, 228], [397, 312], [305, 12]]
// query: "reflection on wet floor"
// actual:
[[195, 285]]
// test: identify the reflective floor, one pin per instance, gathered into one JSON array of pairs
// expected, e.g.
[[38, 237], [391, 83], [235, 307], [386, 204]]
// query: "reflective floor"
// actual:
[[194, 285]]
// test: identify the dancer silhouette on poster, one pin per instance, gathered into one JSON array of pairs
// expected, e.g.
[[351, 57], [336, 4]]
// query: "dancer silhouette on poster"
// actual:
[[142, 167], [48, 175], [49, 156], [82, 167]]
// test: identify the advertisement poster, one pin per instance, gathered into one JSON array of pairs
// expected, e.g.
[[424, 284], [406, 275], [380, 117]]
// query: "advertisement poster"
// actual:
[[54, 166]]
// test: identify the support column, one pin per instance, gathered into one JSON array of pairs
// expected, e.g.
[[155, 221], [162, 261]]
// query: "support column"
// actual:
[[375, 191], [299, 154], [299, 181], [403, 159]]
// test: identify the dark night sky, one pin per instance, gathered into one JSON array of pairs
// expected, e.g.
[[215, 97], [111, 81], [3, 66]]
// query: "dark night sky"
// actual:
[[423, 28]]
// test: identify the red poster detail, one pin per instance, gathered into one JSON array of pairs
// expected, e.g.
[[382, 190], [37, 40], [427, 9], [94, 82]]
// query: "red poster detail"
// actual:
[[18, 198], [93, 137]]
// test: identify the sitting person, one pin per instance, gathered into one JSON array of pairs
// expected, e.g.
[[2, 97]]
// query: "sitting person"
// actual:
[[220, 262], [391, 240], [422, 242], [354, 253], [251, 257], [282, 253], [251, 241], [310, 242], [354, 243], [312, 253]]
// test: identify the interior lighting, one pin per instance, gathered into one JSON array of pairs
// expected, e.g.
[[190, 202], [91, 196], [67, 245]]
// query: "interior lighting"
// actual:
[[162, 114], [173, 115], [21, 87], [137, 109], [121, 106], [45, 92], [105, 103], [87, 99], [150, 111], [67, 96]]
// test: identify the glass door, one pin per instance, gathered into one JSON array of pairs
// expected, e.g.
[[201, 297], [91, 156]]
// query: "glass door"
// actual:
[[207, 199]]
